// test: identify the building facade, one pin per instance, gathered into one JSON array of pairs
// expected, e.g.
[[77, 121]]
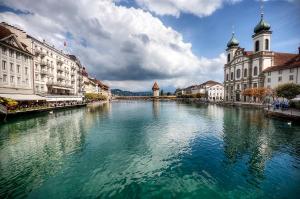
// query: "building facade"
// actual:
[[246, 69], [16, 71], [215, 92]]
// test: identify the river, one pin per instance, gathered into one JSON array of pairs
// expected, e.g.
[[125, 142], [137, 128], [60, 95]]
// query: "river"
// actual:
[[137, 149]]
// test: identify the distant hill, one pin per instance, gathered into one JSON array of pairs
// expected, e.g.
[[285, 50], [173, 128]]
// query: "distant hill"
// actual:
[[129, 93]]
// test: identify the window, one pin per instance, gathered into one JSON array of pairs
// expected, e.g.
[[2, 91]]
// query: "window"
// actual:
[[291, 77], [18, 55], [255, 71], [238, 87], [255, 85], [257, 46], [27, 81], [11, 79], [26, 71], [11, 53], [269, 73], [3, 65], [11, 67], [267, 44], [279, 79], [18, 68], [245, 72], [280, 72], [4, 78], [231, 76], [245, 86], [25, 59], [228, 58], [291, 70], [19, 80], [269, 80], [4, 51], [238, 73]]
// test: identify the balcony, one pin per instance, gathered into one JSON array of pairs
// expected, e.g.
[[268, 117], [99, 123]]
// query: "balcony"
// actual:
[[60, 68], [38, 52], [60, 76], [44, 72], [59, 62], [44, 63]]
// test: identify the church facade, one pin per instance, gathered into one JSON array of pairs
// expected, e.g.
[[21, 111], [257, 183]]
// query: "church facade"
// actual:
[[247, 69]]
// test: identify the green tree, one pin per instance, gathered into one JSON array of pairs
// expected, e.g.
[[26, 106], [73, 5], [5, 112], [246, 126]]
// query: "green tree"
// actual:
[[161, 92], [289, 90]]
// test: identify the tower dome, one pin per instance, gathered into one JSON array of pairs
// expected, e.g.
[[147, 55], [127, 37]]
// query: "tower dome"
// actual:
[[262, 25], [233, 41]]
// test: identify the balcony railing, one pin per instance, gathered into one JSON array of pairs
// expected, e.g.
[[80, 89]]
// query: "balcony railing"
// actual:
[[60, 68], [44, 63], [59, 62], [60, 76], [59, 84], [44, 72], [39, 52]]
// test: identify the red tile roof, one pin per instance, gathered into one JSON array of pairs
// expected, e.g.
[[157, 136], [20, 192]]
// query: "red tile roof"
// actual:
[[155, 86], [281, 58], [293, 62]]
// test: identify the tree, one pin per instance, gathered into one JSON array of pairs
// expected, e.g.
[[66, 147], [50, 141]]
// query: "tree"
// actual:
[[260, 92], [288, 90], [161, 92]]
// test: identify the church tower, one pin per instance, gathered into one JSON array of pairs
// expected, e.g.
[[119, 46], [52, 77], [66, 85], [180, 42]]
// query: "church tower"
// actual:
[[262, 36], [232, 46]]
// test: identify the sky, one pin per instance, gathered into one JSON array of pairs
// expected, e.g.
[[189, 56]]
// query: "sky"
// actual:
[[130, 44]]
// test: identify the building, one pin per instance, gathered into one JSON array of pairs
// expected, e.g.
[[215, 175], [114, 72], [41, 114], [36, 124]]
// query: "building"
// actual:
[[92, 85], [215, 92], [56, 75], [155, 90], [288, 72], [246, 69], [16, 71]]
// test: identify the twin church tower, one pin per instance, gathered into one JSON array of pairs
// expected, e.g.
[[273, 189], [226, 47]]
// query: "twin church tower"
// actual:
[[247, 69]]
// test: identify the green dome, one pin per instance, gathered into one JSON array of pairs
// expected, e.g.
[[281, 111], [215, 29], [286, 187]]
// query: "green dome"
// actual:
[[233, 41], [262, 25]]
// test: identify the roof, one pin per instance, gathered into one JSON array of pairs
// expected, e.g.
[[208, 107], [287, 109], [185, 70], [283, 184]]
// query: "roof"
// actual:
[[293, 62], [281, 58], [155, 86], [262, 25], [6, 33], [210, 82], [233, 41], [22, 97]]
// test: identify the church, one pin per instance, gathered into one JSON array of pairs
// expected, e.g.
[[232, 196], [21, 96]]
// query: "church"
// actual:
[[260, 67]]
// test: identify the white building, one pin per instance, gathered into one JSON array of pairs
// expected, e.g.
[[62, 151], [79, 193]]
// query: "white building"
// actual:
[[55, 73], [16, 71], [289, 72], [215, 92], [245, 69]]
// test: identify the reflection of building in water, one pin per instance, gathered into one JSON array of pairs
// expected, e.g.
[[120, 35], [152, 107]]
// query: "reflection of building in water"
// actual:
[[155, 90], [43, 140], [252, 139], [155, 108]]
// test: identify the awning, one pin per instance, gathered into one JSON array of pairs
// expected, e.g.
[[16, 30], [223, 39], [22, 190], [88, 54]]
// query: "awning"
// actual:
[[22, 97], [63, 98]]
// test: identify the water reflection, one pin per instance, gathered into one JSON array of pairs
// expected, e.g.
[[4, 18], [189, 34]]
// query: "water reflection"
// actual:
[[35, 148], [149, 149]]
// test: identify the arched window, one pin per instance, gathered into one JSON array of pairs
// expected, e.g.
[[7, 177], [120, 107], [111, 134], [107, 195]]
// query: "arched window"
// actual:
[[228, 58], [245, 72], [231, 75], [255, 71], [256, 46], [238, 73], [267, 44], [227, 78]]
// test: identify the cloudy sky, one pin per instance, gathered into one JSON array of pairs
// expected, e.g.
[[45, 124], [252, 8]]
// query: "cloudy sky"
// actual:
[[129, 44]]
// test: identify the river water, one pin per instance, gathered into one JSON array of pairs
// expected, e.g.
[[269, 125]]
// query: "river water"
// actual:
[[135, 149]]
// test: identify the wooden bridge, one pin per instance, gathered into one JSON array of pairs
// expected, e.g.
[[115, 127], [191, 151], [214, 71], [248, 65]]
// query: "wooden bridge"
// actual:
[[171, 97]]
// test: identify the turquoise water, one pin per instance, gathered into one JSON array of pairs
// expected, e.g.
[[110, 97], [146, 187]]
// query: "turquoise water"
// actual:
[[150, 150]]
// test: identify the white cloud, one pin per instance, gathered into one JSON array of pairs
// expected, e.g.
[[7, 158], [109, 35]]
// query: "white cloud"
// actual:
[[199, 8], [127, 47]]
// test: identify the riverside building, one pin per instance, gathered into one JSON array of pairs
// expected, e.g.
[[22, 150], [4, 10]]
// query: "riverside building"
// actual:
[[260, 67], [55, 75], [16, 70]]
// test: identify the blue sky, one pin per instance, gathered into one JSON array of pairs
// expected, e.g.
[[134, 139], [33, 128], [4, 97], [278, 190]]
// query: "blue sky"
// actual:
[[129, 44]]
